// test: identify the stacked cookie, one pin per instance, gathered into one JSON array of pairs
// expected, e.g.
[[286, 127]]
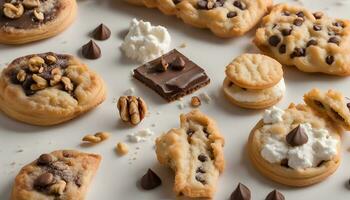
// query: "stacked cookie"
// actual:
[[254, 81]]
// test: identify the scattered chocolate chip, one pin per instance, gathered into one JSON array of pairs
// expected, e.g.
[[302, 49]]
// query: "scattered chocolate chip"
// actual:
[[176, 1], [311, 42], [275, 195], [298, 52], [150, 180], [200, 170], [91, 50], [300, 14], [178, 64], [274, 40], [317, 27], [318, 15], [202, 158], [231, 14], [286, 31], [202, 4], [286, 13], [44, 180], [282, 49], [102, 32], [329, 60], [334, 40], [298, 22], [200, 178], [338, 24], [284, 163], [44, 159], [297, 137], [241, 192], [239, 5]]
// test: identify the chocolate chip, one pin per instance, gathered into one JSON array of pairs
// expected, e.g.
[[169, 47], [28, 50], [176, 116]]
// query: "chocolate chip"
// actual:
[[334, 40], [318, 15], [44, 159], [329, 60], [176, 1], [286, 31], [202, 4], [200, 178], [282, 49], [348, 105], [239, 5], [311, 42], [190, 132], [298, 52], [200, 170], [102, 32], [338, 24], [298, 22], [231, 14], [241, 192], [178, 64], [202, 158], [162, 66], [275, 195], [317, 27], [78, 181], [297, 137], [300, 14], [286, 13], [284, 163], [44, 180], [274, 40], [150, 180], [91, 50]]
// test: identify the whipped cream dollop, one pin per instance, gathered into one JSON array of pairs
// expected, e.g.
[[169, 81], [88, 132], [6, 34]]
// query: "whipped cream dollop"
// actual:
[[320, 147], [273, 115], [145, 42]]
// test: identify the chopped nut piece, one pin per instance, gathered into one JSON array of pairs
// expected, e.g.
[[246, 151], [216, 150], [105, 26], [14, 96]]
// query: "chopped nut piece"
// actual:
[[51, 60], [41, 83], [195, 101], [55, 80], [35, 63], [122, 148], [58, 188], [39, 15], [21, 76], [31, 3], [103, 135], [97, 138], [68, 85], [132, 109], [13, 11]]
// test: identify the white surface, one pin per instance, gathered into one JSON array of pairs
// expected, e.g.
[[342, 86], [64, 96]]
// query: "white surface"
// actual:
[[116, 179]]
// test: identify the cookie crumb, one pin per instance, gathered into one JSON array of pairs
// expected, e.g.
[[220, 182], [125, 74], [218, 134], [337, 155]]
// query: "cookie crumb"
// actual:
[[181, 105], [195, 101], [183, 45], [205, 97], [130, 91], [140, 136], [122, 148]]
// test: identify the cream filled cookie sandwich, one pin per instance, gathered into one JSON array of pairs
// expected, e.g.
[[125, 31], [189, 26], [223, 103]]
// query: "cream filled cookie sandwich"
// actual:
[[254, 81]]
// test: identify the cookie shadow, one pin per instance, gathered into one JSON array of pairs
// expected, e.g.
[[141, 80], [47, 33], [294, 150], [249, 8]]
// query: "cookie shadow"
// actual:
[[10, 124]]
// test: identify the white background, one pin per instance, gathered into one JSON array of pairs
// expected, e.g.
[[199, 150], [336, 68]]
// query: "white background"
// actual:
[[117, 178]]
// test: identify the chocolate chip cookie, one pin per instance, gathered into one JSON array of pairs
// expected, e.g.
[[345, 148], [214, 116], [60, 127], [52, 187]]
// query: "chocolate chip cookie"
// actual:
[[195, 153], [24, 21], [64, 174], [49, 88], [313, 42]]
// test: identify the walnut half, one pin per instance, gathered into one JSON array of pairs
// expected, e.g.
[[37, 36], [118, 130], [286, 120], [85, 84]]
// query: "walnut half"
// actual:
[[132, 109], [13, 11]]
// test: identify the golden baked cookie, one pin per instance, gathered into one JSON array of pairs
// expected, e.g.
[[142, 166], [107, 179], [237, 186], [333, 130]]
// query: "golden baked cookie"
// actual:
[[296, 147], [195, 153], [48, 88], [64, 175], [254, 71], [331, 103], [313, 42], [24, 21], [225, 18]]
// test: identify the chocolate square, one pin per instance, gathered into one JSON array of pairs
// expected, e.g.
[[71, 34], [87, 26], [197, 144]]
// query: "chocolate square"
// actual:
[[173, 82]]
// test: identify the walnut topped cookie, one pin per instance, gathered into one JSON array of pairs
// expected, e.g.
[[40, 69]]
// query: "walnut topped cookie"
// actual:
[[49, 88], [24, 21], [195, 153], [225, 18], [313, 42], [64, 175]]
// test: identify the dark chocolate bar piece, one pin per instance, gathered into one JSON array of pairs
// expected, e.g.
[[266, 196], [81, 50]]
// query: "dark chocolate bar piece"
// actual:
[[172, 75]]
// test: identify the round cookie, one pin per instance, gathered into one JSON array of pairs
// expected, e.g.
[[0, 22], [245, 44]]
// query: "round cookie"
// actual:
[[253, 99], [48, 88], [281, 172], [254, 71], [31, 20]]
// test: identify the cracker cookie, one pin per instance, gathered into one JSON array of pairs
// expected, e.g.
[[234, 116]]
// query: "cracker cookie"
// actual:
[[195, 153], [313, 42], [331, 103], [225, 18], [24, 21], [48, 88], [272, 149], [64, 174]]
